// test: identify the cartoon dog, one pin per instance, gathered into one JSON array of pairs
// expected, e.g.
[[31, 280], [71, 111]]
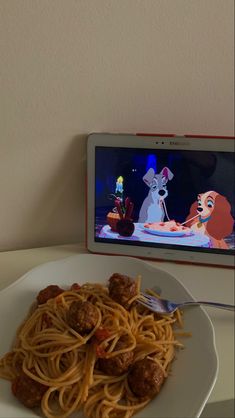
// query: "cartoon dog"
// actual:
[[152, 209], [214, 217]]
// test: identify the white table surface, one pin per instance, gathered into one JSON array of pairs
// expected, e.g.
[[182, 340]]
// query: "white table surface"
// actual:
[[209, 283]]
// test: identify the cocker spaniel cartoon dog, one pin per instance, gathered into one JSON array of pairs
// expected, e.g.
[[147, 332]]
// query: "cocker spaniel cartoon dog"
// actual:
[[211, 215]]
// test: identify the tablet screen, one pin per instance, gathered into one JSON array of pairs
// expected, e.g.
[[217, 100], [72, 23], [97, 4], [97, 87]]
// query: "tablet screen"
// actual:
[[165, 198]]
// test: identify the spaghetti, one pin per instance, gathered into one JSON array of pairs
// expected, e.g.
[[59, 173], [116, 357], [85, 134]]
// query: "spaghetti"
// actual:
[[66, 365]]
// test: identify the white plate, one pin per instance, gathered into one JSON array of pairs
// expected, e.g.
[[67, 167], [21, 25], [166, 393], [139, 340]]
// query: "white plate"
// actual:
[[168, 233], [194, 370]]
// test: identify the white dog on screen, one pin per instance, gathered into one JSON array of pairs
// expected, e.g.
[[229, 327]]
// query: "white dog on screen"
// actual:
[[152, 209]]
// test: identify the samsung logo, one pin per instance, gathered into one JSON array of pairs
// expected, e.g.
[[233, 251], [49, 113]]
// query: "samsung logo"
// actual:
[[179, 143]]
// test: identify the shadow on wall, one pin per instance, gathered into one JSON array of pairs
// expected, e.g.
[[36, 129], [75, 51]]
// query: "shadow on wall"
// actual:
[[58, 216]]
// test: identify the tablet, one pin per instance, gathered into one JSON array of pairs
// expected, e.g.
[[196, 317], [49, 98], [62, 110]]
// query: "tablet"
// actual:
[[161, 197]]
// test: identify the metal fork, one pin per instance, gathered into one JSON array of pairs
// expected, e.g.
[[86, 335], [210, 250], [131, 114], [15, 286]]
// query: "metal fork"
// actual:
[[165, 306]]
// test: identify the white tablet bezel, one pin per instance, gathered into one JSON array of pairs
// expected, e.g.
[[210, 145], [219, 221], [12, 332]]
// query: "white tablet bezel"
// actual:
[[153, 142]]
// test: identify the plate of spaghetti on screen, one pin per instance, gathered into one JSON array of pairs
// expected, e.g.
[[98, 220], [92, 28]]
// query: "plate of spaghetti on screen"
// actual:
[[167, 229], [162, 197], [75, 343]]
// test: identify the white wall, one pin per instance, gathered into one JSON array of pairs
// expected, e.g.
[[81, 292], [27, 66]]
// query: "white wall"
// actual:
[[70, 67]]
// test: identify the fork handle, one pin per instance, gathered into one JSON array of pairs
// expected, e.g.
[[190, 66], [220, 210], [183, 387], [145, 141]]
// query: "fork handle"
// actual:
[[212, 304]]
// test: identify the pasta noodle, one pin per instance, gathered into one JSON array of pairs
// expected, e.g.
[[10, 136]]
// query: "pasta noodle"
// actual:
[[66, 363]]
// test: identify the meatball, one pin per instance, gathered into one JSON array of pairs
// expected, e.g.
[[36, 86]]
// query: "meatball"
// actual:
[[82, 316], [121, 288], [49, 292], [115, 366], [145, 378], [28, 391]]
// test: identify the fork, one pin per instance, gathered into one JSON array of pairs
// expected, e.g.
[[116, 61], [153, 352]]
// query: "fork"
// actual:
[[165, 306]]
